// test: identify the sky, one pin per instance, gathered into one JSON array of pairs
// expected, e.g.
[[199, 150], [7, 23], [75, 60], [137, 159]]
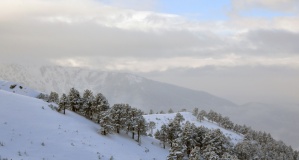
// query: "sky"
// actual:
[[245, 51]]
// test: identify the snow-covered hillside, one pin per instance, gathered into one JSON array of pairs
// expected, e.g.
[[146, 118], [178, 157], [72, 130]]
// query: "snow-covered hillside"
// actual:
[[117, 87], [29, 129], [161, 119], [18, 89]]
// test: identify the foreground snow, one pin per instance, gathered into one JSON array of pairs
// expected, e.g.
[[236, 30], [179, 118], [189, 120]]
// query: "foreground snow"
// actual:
[[31, 130]]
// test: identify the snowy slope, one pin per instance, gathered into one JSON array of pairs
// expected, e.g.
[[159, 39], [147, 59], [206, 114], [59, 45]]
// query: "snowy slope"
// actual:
[[18, 89], [117, 87], [29, 129], [161, 119]]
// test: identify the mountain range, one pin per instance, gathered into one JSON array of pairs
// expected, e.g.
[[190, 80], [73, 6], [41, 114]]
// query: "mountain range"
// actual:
[[117, 87]]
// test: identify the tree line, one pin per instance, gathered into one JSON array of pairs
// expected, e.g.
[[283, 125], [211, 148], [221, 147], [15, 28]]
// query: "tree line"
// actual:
[[111, 119]]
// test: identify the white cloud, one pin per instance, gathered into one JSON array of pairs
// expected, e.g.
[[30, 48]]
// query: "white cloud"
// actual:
[[277, 5]]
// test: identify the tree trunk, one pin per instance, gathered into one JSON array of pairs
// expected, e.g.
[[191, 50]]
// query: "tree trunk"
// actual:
[[138, 136]]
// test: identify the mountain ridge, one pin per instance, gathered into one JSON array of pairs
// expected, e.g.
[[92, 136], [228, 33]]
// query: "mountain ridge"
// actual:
[[117, 87]]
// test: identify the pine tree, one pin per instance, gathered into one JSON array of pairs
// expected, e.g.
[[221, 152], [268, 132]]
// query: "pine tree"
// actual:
[[74, 100], [215, 141], [162, 135], [187, 137], [173, 130], [100, 104], [201, 115], [106, 123], [195, 112], [63, 103], [88, 100], [53, 97], [140, 127], [151, 126], [118, 116], [179, 118], [177, 150], [170, 111]]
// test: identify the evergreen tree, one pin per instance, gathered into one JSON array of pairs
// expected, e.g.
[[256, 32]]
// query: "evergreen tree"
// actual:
[[215, 141], [100, 104], [63, 103], [43, 96], [106, 123], [151, 126], [195, 112], [118, 116], [74, 100], [162, 135], [187, 137], [201, 115], [179, 118], [88, 100], [173, 130], [53, 97], [177, 150], [170, 111], [140, 127]]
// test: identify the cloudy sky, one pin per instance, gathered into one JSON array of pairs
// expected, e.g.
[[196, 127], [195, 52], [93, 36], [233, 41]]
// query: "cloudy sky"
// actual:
[[240, 50]]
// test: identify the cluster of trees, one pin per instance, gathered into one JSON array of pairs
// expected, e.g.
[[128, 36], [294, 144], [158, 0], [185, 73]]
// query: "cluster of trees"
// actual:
[[96, 107], [190, 142], [256, 144], [89, 105], [123, 117]]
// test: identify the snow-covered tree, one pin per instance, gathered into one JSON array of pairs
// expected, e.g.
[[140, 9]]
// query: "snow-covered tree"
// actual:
[[118, 116], [201, 115], [215, 141], [88, 100], [179, 118], [63, 103], [187, 137], [74, 100], [151, 126], [140, 127], [195, 112], [43, 96], [173, 130], [53, 97], [106, 123], [162, 135], [177, 150], [100, 104]]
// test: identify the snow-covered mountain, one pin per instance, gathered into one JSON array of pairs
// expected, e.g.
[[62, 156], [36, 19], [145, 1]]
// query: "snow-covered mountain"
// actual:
[[32, 130], [117, 87]]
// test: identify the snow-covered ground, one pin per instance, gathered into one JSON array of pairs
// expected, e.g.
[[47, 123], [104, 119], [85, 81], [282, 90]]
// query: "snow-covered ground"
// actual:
[[161, 119], [29, 129], [18, 88]]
